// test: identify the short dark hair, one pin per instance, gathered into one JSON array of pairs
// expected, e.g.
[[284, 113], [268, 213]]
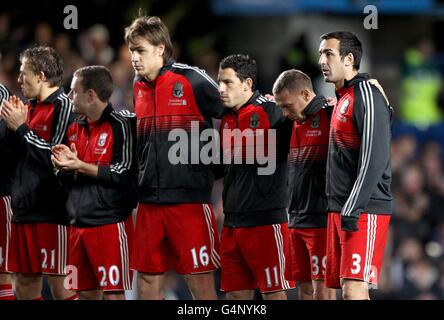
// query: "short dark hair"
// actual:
[[292, 80], [348, 43], [47, 60], [97, 78], [243, 65], [153, 30]]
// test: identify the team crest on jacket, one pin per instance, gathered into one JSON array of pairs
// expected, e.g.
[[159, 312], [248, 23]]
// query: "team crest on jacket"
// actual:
[[344, 106], [316, 122], [178, 90], [254, 121], [73, 137], [102, 139]]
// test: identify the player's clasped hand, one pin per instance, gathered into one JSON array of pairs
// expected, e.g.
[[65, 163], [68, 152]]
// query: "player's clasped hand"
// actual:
[[14, 112], [332, 101], [65, 158]]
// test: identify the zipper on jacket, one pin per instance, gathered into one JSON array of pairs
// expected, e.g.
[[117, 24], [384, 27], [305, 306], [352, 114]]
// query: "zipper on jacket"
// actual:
[[77, 216], [328, 168], [230, 166], [155, 136], [29, 116], [236, 117], [298, 154], [88, 135]]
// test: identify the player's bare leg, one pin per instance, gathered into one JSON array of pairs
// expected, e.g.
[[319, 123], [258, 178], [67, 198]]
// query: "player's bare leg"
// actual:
[[354, 290], [201, 286], [58, 290], [6, 285], [150, 286], [5, 278], [320, 292], [28, 286], [278, 295], [306, 291], [240, 295], [90, 295], [114, 295]]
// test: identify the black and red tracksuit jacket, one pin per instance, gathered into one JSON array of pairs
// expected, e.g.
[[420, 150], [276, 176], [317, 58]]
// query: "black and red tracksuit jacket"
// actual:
[[8, 152], [358, 167], [178, 96], [251, 199], [37, 195], [307, 162], [109, 143]]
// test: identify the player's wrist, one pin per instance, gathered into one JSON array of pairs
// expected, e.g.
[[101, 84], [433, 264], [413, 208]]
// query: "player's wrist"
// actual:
[[80, 166]]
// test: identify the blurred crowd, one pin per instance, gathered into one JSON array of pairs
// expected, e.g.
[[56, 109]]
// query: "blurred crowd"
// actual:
[[91, 47], [414, 262]]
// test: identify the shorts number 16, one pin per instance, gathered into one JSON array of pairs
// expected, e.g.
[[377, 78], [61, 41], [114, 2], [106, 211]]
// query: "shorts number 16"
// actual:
[[203, 257]]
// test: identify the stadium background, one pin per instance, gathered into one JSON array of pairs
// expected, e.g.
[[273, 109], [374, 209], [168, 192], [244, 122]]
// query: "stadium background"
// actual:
[[405, 53]]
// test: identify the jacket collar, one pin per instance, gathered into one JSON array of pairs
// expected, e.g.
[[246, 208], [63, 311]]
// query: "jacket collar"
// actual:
[[105, 115], [166, 67], [316, 104], [50, 99], [252, 100], [352, 82]]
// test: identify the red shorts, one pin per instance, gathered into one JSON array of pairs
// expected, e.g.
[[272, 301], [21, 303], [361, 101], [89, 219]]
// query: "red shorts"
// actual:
[[254, 258], [356, 255], [307, 255], [38, 248], [5, 231], [99, 257], [182, 237]]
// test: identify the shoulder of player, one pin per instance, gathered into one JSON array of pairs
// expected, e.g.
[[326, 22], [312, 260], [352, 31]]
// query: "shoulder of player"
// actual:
[[264, 102], [122, 119], [192, 73], [268, 105], [63, 102], [124, 113], [4, 92], [366, 91]]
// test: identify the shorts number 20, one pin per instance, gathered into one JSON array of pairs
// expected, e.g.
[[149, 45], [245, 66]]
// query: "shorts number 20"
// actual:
[[113, 276]]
